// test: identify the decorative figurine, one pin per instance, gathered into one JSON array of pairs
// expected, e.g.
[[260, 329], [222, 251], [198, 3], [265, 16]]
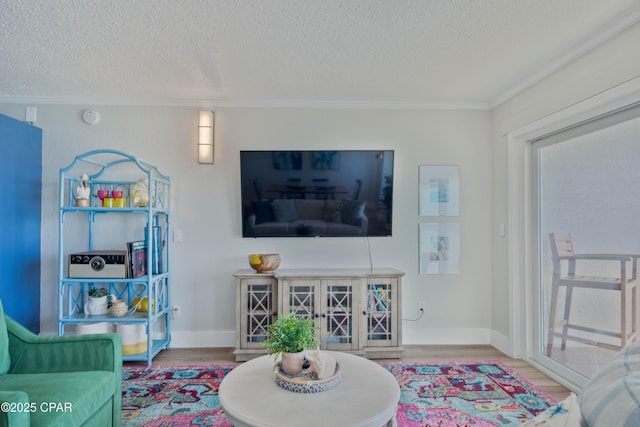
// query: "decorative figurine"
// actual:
[[140, 193], [322, 365], [83, 192]]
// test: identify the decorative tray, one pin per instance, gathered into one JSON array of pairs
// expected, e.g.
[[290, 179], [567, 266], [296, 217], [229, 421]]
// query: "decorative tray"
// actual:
[[305, 383]]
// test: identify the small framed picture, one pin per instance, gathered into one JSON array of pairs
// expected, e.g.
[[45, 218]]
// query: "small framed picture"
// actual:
[[439, 248], [439, 190]]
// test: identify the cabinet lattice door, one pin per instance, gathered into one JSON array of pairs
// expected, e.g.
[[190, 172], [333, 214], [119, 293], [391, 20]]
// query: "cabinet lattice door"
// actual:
[[340, 331], [260, 296], [330, 303], [301, 298], [381, 310]]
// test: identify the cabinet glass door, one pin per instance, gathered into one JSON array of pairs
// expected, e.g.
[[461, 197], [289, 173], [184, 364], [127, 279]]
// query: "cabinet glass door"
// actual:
[[380, 313], [300, 298], [260, 311], [338, 329]]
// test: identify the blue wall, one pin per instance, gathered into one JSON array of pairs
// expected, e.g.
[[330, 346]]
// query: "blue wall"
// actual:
[[20, 220]]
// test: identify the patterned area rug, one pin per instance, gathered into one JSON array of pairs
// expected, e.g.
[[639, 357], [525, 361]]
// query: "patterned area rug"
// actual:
[[444, 394]]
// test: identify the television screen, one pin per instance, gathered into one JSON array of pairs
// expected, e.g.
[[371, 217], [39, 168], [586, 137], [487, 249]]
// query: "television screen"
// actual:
[[335, 193]]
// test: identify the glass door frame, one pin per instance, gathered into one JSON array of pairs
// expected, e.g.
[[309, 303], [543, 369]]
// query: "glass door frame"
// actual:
[[525, 332]]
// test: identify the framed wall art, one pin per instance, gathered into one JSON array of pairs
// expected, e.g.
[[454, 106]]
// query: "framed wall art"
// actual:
[[326, 160], [439, 190], [439, 248], [287, 160]]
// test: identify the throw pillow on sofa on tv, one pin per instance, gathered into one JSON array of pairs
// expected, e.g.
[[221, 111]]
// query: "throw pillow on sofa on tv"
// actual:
[[332, 210], [263, 211], [352, 210], [284, 210]]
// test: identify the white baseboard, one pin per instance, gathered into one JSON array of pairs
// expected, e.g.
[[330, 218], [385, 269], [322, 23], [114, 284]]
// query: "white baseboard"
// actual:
[[433, 336], [428, 336], [446, 336], [188, 339]]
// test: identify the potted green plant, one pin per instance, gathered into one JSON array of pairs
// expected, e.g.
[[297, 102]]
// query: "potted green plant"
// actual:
[[99, 301], [289, 336], [98, 292]]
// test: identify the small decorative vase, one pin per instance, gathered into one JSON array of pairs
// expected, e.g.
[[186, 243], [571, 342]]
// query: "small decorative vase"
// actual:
[[118, 307], [292, 363], [83, 203]]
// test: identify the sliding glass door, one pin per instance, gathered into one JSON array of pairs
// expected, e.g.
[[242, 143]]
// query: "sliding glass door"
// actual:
[[585, 200]]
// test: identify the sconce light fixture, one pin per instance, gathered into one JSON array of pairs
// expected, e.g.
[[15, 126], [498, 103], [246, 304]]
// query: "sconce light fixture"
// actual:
[[205, 137]]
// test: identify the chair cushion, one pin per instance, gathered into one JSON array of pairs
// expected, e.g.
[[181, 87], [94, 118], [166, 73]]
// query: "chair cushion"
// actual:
[[76, 395], [335, 229], [317, 227], [271, 228], [612, 397], [5, 359]]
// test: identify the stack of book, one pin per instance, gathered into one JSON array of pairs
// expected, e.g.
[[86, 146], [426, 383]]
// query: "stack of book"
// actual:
[[137, 258]]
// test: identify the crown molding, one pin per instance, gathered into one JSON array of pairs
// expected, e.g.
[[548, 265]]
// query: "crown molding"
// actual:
[[607, 32], [364, 105], [248, 103]]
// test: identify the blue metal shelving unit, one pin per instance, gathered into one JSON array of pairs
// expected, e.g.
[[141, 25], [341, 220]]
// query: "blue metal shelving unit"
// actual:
[[110, 170]]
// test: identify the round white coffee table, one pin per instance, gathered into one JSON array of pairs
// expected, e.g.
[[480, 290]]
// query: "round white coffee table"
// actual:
[[367, 396]]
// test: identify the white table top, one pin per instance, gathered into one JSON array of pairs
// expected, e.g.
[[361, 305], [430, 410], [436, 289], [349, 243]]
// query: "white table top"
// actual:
[[367, 396]]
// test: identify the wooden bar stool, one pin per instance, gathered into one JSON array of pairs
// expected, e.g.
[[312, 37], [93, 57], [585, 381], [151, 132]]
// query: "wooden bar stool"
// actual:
[[626, 284]]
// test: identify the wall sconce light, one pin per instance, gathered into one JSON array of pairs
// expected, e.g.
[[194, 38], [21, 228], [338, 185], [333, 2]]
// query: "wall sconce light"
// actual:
[[205, 137]]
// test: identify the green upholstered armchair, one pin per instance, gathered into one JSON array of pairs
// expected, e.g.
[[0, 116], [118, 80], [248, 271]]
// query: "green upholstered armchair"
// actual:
[[58, 381]]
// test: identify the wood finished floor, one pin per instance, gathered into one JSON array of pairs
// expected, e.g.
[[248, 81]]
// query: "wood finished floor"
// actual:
[[198, 356]]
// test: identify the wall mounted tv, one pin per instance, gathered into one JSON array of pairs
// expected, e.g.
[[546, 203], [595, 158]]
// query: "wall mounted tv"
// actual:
[[340, 193]]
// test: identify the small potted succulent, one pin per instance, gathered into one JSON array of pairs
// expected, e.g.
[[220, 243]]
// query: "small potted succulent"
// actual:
[[289, 336], [99, 301]]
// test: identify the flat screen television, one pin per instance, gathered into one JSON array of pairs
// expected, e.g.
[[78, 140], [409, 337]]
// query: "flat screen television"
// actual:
[[339, 193]]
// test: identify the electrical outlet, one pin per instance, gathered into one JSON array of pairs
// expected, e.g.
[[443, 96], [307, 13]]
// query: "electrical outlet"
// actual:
[[176, 311]]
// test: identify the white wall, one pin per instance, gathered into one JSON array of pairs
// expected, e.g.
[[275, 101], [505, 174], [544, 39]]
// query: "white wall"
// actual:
[[603, 68], [207, 205]]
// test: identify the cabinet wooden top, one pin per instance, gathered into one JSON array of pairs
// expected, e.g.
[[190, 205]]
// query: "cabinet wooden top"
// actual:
[[322, 272]]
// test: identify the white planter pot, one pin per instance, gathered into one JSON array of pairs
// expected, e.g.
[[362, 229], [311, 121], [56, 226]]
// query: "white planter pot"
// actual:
[[134, 338], [97, 306], [95, 328]]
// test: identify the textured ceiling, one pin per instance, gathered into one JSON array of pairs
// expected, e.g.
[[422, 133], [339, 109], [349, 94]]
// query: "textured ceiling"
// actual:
[[268, 51]]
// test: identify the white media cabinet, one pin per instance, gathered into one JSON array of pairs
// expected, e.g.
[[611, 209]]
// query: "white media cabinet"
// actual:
[[357, 310]]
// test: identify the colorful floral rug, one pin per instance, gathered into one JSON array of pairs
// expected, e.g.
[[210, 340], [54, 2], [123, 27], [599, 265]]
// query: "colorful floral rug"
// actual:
[[444, 394]]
